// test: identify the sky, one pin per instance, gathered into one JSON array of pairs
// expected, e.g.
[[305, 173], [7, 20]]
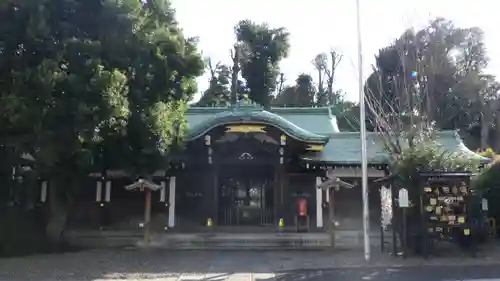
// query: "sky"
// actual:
[[317, 26]]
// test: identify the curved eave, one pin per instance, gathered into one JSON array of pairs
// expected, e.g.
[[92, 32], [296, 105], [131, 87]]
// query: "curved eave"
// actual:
[[256, 117], [465, 151]]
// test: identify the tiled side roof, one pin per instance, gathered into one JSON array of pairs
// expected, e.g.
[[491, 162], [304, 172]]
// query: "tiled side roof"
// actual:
[[344, 148], [318, 120]]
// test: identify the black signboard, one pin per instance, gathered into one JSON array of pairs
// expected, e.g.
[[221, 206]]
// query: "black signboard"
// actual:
[[445, 207]]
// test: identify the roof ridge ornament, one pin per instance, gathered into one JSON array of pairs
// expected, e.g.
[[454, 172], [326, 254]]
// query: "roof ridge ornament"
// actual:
[[245, 104]]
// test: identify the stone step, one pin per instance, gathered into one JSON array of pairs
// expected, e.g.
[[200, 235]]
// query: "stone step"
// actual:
[[204, 240], [246, 241], [106, 239]]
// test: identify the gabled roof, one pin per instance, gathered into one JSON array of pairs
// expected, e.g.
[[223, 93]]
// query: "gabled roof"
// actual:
[[317, 120], [313, 125], [344, 148], [201, 120]]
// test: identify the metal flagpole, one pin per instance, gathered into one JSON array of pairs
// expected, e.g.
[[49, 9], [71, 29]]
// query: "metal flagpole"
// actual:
[[364, 164]]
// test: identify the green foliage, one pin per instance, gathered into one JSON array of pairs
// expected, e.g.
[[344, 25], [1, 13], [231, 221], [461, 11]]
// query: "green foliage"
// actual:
[[347, 116], [263, 49], [488, 152], [218, 92], [92, 83], [20, 234], [489, 178], [302, 94], [424, 155], [437, 70], [487, 185], [94, 74]]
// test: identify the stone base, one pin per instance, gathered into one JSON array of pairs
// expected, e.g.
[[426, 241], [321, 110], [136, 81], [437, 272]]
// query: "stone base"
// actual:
[[200, 241], [221, 240]]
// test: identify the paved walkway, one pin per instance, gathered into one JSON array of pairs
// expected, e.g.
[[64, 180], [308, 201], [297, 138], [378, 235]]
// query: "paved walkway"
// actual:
[[154, 265]]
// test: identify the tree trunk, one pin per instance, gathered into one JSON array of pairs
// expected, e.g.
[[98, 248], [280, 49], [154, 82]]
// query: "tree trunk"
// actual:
[[497, 133], [58, 216], [234, 76], [485, 131], [486, 122]]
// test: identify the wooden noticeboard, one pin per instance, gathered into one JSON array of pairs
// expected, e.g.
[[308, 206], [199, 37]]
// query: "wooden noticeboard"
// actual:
[[445, 206]]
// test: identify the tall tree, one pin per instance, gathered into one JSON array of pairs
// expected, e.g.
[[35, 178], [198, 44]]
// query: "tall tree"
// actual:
[[326, 66], [429, 76], [218, 92], [262, 50], [280, 84], [300, 95], [79, 77]]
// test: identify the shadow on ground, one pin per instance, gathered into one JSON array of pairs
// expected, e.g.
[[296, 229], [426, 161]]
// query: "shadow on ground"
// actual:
[[391, 274], [157, 264]]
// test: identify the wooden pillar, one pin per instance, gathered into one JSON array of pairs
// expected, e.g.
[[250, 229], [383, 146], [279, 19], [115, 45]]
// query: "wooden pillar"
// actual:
[[106, 209], [276, 195], [43, 209], [163, 201], [107, 192], [171, 201], [208, 195], [100, 203], [281, 209], [215, 194], [209, 191], [43, 191], [210, 198], [163, 192], [331, 214], [319, 203], [281, 175], [98, 191]]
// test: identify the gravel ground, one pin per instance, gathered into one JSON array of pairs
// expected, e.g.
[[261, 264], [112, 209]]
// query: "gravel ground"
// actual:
[[201, 265]]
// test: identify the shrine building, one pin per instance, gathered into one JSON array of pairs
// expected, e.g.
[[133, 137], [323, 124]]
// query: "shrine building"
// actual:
[[243, 166]]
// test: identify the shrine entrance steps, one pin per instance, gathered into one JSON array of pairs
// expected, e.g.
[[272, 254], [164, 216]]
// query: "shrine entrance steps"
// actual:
[[250, 241], [201, 241], [217, 240]]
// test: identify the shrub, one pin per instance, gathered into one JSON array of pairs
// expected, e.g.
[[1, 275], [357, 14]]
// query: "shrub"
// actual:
[[20, 234], [425, 154]]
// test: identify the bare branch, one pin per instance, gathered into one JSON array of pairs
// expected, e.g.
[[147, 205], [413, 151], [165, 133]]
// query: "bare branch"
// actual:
[[235, 72]]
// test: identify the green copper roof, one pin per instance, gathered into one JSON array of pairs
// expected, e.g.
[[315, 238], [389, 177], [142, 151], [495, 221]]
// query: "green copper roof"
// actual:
[[317, 120], [201, 120], [312, 125], [344, 148]]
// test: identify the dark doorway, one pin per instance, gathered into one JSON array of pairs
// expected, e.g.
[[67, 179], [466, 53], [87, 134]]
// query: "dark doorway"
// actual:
[[246, 195]]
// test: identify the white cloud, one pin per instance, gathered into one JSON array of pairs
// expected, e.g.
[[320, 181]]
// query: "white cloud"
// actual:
[[318, 25]]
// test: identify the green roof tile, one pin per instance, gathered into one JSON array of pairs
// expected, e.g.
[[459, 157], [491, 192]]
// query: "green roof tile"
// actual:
[[201, 120], [313, 124], [317, 120], [344, 148]]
